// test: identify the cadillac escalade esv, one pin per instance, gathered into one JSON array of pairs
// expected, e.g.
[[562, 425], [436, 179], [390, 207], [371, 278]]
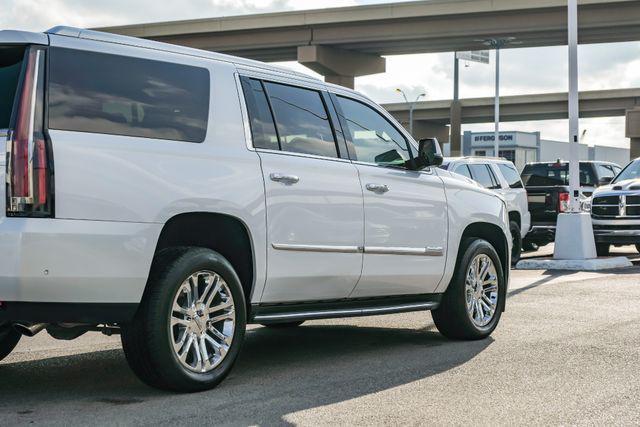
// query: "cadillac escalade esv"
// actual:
[[173, 196]]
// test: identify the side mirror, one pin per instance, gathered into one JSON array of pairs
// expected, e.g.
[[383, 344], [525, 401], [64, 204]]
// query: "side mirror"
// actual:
[[605, 180], [429, 154]]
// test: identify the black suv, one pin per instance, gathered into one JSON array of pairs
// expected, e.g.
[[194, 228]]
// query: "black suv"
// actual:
[[547, 187]]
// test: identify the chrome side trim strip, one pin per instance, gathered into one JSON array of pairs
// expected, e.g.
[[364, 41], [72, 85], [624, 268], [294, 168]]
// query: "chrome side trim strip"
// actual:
[[381, 250], [378, 250], [317, 248], [348, 312]]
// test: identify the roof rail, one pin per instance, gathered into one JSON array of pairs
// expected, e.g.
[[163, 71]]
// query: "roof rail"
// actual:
[[167, 47]]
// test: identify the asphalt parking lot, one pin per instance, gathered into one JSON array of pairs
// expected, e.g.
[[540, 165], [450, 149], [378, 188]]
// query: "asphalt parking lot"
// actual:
[[566, 352]]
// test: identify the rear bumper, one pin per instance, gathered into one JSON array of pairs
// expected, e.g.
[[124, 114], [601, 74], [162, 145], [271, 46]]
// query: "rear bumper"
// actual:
[[73, 262], [48, 312]]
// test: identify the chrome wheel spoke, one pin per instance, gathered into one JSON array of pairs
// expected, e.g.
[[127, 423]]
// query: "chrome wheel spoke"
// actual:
[[481, 290], [223, 316], [202, 321]]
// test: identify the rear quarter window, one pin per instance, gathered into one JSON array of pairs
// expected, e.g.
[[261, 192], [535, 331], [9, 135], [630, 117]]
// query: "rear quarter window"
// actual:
[[10, 67], [511, 175], [119, 95]]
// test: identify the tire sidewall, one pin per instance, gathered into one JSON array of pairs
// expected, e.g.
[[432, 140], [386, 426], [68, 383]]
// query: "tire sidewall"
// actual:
[[197, 260]]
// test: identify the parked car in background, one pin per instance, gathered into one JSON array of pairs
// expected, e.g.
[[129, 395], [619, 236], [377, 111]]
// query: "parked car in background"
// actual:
[[501, 176], [547, 185], [195, 193], [615, 210]]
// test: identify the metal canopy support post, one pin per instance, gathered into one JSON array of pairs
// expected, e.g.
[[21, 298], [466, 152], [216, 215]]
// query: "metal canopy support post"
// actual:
[[574, 232], [496, 142], [574, 172]]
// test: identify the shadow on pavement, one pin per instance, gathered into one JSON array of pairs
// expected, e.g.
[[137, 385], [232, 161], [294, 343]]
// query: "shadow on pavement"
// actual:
[[278, 372]]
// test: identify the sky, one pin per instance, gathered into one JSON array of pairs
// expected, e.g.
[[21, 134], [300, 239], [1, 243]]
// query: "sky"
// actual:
[[524, 71]]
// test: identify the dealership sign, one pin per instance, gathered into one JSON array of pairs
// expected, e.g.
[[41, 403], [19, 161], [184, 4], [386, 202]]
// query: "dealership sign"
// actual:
[[481, 56], [486, 138]]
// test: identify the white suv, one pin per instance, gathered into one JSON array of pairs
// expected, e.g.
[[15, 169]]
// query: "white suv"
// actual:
[[175, 195], [501, 176]]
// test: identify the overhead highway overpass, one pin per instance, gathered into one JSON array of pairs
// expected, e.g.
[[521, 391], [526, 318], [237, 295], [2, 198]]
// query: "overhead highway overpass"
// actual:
[[432, 117]]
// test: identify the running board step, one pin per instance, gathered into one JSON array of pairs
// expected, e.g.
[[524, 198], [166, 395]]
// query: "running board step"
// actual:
[[276, 313]]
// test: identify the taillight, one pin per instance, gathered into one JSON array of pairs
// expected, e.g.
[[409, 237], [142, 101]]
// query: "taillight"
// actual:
[[563, 202], [28, 170]]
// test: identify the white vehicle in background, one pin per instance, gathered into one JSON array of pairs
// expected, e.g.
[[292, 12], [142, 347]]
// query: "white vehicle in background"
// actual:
[[501, 176]]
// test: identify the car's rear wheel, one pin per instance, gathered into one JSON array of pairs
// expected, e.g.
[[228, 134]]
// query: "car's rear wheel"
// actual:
[[189, 328], [603, 249], [472, 305], [516, 237], [9, 339]]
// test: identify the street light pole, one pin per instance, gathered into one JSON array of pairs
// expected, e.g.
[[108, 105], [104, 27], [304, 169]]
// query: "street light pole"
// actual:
[[411, 107], [497, 44]]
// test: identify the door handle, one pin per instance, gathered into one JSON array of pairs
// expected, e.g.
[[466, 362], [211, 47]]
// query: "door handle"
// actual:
[[377, 188], [285, 179]]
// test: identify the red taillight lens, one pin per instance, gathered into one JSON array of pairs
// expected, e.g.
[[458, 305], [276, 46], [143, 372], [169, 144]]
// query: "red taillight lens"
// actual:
[[28, 174], [563, 202]]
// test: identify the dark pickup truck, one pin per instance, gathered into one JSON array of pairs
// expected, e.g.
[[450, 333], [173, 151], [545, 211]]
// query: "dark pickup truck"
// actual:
[[547, 186]]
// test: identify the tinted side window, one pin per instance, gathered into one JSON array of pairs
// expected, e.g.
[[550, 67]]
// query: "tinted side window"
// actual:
[[587, 175], [605, 171], [302, 120], [263, 129], [374, 139], [118, 95], [511, 175], [463, 170], [482, 175]]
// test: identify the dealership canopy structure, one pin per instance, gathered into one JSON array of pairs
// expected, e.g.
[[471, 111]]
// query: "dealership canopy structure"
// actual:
[[343, 43]]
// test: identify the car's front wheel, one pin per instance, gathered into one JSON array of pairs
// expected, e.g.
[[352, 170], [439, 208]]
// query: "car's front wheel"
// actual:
[[191, 323], [472, 305], [9, 339]]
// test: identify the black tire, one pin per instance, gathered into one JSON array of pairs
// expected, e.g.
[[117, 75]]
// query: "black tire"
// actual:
[[9, 339], [451, 317], [637, 247], [516, 251], [603, 249], [283, 325], [529, 246], [147, 341]]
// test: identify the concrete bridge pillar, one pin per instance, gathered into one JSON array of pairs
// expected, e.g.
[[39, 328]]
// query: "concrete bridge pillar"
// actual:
[[633, 131], [340, 66]]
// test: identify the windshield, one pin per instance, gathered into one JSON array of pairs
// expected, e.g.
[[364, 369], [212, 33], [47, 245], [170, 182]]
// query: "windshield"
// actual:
[[631, 171]]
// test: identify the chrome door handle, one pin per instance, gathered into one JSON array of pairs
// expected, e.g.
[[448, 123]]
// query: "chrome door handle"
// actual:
[[377, 188], [285, 179]]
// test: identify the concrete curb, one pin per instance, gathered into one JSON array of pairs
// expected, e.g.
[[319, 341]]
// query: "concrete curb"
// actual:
[[574, 264]]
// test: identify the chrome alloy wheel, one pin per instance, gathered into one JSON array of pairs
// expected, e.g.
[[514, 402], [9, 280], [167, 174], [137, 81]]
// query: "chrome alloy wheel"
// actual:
[[481, 290], [202, 321]]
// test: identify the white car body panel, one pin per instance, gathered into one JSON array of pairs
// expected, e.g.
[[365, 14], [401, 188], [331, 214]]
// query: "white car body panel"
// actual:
[[314, 228], [410, 216]]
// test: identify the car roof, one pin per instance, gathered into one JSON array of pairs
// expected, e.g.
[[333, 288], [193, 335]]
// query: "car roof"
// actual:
[[475, 159]]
